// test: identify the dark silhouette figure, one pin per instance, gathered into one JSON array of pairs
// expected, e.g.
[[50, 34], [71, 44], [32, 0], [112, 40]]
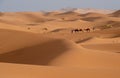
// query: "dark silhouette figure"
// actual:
[[87, 29], [77, 30]]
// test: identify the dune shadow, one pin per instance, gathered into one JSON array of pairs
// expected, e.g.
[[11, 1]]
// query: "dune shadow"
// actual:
[[91, 18], [41, 54], [57, 30], [117, 52], [81, 41]]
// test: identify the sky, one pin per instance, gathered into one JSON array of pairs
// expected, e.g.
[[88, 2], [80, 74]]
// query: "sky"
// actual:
[[38, 5]]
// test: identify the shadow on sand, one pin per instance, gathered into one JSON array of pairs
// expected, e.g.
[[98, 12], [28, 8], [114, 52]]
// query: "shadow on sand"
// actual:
[[41, 54]]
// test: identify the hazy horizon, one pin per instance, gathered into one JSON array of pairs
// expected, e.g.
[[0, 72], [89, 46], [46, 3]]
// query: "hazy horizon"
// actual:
[[38, 5]]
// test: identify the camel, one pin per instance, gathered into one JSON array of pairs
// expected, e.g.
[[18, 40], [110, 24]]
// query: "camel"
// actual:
[[77, 30], [82, 30], [87, 29]]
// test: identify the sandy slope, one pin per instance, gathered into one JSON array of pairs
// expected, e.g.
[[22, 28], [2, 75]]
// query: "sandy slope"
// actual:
[[110, 44], [116, 14], [33, 44], [50, 51], [28, 71]]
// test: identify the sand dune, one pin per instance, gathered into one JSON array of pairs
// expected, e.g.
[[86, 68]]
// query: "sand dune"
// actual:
[[28, 45], [110, 45], [24, 18], [37, 54], [37, 44], [116, 14], [69, 13], [101, 41], [87, 10], [52, 13], [93, 15], [46, 51]]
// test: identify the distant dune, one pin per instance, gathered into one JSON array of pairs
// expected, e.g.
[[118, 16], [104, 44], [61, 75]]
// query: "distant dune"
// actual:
[[92, 14], [69, 43], [116, 14], [87, 10]]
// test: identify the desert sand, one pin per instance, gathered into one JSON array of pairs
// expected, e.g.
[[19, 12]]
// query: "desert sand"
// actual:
[[51, 44]]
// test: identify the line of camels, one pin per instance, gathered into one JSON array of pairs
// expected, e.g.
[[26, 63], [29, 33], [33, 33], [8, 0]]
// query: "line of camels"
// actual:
[[82, 30]]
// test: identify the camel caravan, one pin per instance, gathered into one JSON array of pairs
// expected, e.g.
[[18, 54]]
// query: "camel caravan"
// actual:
[[82, 30]]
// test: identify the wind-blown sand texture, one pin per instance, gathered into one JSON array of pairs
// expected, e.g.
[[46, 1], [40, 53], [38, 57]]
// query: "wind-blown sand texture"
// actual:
[[46, 45]]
